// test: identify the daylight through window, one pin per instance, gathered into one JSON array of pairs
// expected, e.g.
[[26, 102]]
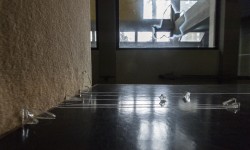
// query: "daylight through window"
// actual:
[[166, 23]]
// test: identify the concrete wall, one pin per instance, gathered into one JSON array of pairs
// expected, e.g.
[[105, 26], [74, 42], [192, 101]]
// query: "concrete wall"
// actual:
[[245, 8], [229, 39], [244, 57], [44, 52], [145, 66]]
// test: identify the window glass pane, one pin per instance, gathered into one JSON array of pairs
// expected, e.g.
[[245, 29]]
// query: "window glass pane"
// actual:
[[91, 38], [95, 36], [163, 9], [155, 24], [147, 9], [192, 37], [186, 5], [127, 36], [93, 23], [156, 9], [144, 36], [163, 36]]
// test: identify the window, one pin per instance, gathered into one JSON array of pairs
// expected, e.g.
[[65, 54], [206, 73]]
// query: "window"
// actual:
[[144, 36], [192, 37], [93, 37], [127, 36], [156, 9], [185, 5], [93, 34], [163, 24], [162, 36]]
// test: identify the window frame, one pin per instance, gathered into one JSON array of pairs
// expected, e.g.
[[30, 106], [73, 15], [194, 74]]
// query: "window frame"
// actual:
[[216, 34], [96, 28]]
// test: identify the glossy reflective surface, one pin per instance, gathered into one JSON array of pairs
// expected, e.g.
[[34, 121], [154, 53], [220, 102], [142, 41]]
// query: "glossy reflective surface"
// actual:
[[129, 117]]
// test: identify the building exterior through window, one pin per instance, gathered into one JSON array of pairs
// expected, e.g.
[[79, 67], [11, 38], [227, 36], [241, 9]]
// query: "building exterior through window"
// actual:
[[167, 23]]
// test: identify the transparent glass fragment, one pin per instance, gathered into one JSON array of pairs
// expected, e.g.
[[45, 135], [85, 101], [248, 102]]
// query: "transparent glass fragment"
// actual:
[[186, 97], [232, 105], [31, 117], [28, 117], [46, 115], [162, 100]]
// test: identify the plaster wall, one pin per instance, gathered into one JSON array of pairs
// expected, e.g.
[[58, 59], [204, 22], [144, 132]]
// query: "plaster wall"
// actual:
[[44, 54], [93, 10]]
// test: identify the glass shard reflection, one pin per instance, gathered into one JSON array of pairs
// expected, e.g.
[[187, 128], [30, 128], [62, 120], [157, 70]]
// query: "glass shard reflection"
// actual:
[[187, 97], [162, 100], [127, 100], [31, 116], [232, 105]]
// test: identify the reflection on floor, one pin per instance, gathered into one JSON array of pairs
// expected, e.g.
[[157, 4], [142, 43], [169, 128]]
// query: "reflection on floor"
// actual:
[[130, 117]]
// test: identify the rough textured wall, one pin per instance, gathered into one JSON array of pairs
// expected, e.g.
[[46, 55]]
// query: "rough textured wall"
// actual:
[[44, 52], [93, 10]]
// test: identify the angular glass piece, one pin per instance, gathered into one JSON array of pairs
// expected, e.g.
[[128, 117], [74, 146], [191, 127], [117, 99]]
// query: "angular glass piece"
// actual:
[[232, 105], [25, 133], [186, 98], [46, 115], [29, 117], [66, 98], [229, 102], [162, 100]]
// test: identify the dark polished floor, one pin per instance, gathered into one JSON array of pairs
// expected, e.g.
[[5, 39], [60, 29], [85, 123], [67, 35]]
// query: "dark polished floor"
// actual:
[[129, 117]]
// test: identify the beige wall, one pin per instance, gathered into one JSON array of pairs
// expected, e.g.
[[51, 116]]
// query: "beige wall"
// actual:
[[93, 10], [44, 52]]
